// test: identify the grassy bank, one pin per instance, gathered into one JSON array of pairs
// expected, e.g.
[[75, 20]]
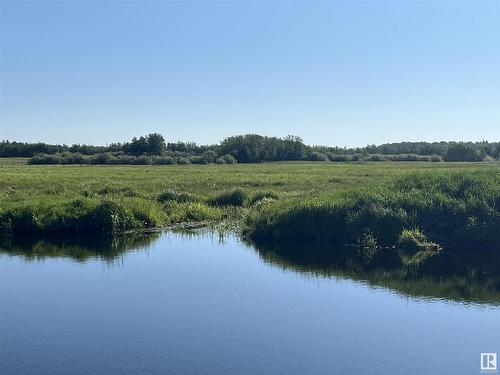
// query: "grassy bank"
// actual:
[[416, 211], [319, 202]]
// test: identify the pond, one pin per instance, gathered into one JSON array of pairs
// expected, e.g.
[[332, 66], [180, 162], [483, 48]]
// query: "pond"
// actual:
[[196, 303]]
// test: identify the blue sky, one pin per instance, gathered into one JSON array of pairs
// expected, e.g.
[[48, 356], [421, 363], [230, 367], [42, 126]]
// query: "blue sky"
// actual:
[[336, 73]]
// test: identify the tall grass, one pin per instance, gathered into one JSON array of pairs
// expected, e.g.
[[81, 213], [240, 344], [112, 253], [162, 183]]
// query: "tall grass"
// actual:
[[319, 202], [460, 208]]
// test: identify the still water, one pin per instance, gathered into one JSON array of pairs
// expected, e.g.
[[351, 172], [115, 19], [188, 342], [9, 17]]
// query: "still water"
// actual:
[[176, 303]]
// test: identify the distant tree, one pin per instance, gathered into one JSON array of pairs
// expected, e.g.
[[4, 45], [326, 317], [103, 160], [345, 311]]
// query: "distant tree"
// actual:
[[137, 146], [318, 156], [254, 148], [463, 152], [156, 144], [209, 156]]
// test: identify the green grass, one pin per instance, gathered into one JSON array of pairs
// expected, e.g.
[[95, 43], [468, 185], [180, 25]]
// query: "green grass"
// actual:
[[13, 162], [452, 207], [277, 201]]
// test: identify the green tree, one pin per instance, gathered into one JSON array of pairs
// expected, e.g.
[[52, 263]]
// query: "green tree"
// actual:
[[156, 144]]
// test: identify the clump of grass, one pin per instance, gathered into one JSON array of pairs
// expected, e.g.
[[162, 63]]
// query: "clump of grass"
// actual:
[[84, 215], [368, 240], [179, 197], [324, 222], [149, 214], [414, 240], [236, 198], [262, 196], [191, 211], [111, 216], [27, 218], [367, 246]]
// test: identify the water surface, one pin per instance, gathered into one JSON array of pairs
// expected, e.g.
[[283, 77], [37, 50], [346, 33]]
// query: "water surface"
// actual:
[[173, 303]]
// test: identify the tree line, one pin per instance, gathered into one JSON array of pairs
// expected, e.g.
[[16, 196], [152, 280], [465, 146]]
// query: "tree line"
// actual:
[[248, 148]]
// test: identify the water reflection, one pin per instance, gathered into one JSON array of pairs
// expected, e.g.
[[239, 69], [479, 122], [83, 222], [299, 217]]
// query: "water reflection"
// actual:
[[468, 277], [77, 248]]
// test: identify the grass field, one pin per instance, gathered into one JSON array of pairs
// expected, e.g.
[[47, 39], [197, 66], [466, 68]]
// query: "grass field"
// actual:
[[119, 198], [24, 184], [13, 162]]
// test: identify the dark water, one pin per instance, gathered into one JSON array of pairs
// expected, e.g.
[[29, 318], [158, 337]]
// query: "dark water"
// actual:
[[190, 304]]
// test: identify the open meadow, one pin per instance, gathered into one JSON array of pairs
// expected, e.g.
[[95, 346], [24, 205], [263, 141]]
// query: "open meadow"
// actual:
[[375, 203], [22, 185]]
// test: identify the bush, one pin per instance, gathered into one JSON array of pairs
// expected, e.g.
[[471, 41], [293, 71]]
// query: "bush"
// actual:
[[125, 159], [165, 160], [357, 157], [376, 157], [407, 157], [73, 158], [102, 158], [236, 197], [318, 156], [339, 158], [209, 156], [45, 159], [198, 160], [143, 160], [183, 161], [220, 161], [229, 159]]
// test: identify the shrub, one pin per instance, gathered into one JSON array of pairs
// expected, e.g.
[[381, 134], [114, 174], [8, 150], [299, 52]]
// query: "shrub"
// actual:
[[73, 158], [101, 158], [236, 197], [209, 156], [183, 161], [45, 159], [376, 157], [165, 160], [198, 160], [357, 157], [125, 159], [143, 160], [220, 161], [229, 159], [318, 156], [339, 158]]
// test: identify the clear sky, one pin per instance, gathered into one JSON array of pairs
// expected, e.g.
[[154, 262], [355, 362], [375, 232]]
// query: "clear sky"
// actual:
[[336, 73]]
